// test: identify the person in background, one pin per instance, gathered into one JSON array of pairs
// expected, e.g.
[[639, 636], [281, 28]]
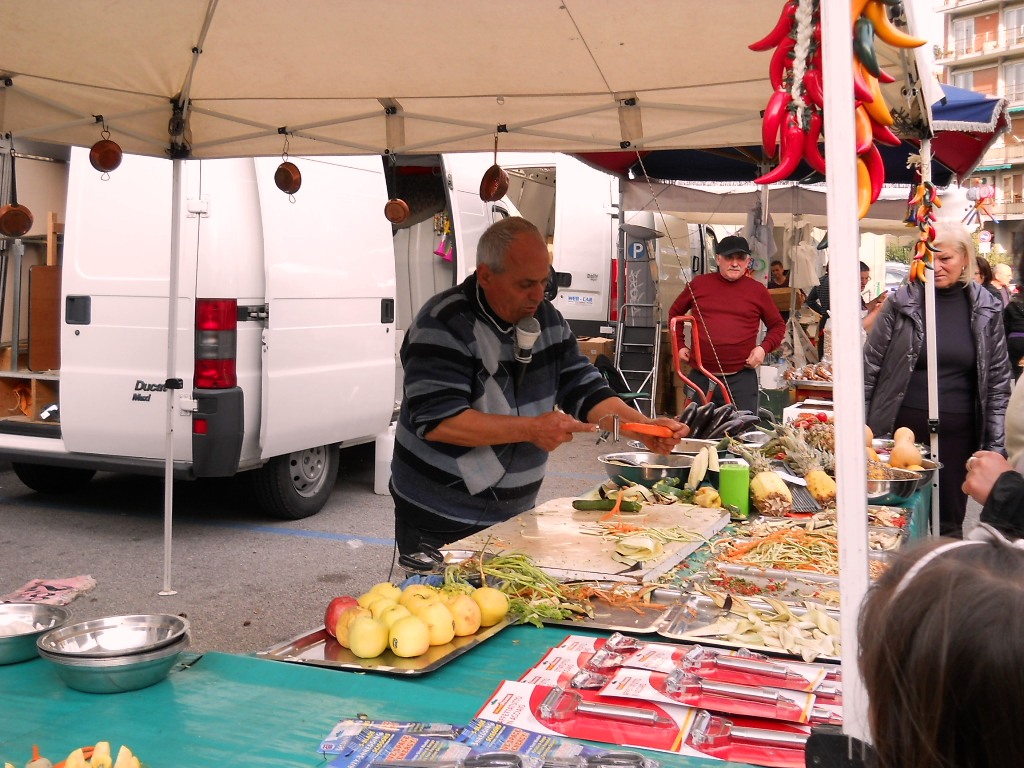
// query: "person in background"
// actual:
[[778, 277], [820, 301], [869, 309], [1013, 324], [983, 275], [728, 308], [973, 369], [944, 672], [477, 422], [1002, 276]]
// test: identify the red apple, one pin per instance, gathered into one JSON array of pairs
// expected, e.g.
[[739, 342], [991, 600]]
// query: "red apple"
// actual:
[[334, 609]]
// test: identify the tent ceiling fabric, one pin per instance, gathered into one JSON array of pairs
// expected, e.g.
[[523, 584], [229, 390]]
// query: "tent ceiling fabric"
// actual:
[[557, 73]]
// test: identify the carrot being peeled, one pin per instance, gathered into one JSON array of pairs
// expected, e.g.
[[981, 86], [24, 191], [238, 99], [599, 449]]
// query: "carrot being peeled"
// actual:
[[654, 430]]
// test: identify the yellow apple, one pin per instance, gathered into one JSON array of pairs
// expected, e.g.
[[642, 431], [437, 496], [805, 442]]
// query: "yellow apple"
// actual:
[[466, 614], [381, 604], [409, 636], [387, 589], [417, 603], [366, 598], [345, 619], [439, 621], [493, 605], [390, 615], [414, 590], [367, 637]]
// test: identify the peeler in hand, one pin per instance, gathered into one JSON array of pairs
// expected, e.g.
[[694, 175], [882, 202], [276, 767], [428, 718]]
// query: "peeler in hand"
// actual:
[[561, 704]]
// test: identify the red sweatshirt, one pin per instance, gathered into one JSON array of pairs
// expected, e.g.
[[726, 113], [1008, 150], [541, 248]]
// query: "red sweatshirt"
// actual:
[[728, 315]]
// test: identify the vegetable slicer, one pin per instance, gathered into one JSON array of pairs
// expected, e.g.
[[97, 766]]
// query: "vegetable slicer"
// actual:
[[712, 731], [561, 704], [699, 659]]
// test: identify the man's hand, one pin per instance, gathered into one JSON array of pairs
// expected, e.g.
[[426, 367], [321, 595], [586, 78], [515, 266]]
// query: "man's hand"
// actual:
[[555, 428], [664, 445], [983, 469], [756, 357]]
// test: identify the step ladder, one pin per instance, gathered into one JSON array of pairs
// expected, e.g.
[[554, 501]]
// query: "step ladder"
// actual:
[[637, 351]]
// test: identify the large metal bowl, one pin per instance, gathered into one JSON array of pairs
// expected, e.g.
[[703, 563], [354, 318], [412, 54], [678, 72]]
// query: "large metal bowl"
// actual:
[[117, 673], [927, 473], [22, 624], [114, 636], [895, 491], [691, 446], [645, 468]]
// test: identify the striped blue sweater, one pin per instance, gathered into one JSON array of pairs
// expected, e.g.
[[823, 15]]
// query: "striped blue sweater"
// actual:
[[458, 355]]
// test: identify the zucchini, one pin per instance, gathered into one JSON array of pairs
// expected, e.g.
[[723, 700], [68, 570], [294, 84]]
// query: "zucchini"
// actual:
[[605, 505]]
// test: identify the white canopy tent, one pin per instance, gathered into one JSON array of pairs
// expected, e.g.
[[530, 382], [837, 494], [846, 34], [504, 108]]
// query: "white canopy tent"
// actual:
[[202, 78]]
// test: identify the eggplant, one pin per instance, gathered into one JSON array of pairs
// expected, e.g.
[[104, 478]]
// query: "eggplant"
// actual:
[[700, 418], [687, 415], [718, 417], [734, 425]]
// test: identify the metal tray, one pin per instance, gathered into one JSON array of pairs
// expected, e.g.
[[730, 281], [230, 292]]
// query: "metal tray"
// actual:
[[811, 384], [319, 649], [622, 618], [699, 611]]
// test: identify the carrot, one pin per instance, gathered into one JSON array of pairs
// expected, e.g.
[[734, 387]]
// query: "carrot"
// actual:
[[614, 510], [654, 430]]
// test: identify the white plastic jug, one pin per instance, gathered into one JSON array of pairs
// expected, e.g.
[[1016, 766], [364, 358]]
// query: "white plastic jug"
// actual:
[[384, 447]]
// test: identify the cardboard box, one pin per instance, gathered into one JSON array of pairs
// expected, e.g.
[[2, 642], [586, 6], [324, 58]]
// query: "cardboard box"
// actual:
[[592, 346], [781, 297]]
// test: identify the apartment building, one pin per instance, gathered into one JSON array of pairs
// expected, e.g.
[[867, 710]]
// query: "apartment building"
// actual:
[[983, 51]]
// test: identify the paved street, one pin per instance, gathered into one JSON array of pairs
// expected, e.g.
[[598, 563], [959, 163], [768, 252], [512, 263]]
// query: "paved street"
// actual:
[[244, 582]]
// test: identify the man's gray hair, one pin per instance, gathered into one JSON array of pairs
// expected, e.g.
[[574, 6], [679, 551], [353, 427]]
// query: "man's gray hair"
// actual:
[[495, 242]]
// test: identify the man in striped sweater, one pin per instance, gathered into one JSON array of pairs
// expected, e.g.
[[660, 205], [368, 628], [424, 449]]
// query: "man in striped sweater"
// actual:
[[476, 426]]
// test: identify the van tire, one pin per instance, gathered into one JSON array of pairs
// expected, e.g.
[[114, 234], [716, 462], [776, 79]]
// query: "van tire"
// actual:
[[297, 485], [52, 480]]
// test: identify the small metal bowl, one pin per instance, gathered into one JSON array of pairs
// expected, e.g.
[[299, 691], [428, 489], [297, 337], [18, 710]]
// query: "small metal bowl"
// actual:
[[755, 437], [927, 474], [645, 468], [895, 491], [883, 446], [115, 636], [17, 642], [117, 673]]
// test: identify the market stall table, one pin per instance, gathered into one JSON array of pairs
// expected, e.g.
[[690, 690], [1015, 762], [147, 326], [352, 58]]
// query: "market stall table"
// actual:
[[239, 710]]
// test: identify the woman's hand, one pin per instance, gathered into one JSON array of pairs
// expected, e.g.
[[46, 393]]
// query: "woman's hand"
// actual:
[[983, 469]]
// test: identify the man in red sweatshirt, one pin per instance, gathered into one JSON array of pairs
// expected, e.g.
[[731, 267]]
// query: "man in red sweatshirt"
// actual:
[[728, 308]]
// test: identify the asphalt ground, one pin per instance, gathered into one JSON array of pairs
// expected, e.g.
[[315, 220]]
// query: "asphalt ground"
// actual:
[[245, 582]]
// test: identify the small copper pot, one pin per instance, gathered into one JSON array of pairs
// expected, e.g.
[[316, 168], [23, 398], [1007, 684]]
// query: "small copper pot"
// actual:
[[288, 178], [396, 210], [494, 184], [105, 155], [15, 220]]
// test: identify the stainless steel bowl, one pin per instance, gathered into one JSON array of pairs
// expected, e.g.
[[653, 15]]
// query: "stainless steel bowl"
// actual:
[[117, 673], [645, 468], [22, 624], [755, 437], [114, 636], [927, 473], [895, 491], [882, 447]]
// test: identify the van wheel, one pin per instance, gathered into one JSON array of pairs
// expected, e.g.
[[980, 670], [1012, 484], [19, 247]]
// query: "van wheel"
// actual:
[[53, 480], [297, 485]]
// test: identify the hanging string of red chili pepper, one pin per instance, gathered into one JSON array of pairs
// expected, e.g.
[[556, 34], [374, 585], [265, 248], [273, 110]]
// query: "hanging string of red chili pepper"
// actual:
[[793, 118], [921, 213]]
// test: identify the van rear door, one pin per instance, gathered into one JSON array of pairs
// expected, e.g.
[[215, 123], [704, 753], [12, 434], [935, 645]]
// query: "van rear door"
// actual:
[[115, 279], [329, 343]]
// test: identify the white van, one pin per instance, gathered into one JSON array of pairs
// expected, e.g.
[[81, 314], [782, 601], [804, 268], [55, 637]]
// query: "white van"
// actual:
[[290, 316]]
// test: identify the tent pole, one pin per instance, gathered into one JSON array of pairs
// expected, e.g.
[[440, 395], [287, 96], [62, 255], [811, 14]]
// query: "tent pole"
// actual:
[[172, 394], [844, 268], [930, 350]]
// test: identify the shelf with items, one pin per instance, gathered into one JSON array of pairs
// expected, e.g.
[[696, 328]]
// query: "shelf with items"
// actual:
[[28, 396]]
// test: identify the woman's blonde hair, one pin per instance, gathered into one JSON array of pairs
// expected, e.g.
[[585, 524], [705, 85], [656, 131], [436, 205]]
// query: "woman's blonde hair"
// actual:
[[954, 235]]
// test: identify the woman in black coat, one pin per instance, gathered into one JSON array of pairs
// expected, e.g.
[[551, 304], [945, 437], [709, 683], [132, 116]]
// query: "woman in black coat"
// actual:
[[1013, 323], [973, 368]]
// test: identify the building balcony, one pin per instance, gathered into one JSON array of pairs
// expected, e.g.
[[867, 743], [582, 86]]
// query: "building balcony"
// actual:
[[1008, 210], [946, 6], [982, 48], [1001, 157]]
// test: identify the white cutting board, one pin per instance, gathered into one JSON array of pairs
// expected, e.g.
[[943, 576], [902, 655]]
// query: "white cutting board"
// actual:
[[550, 534]]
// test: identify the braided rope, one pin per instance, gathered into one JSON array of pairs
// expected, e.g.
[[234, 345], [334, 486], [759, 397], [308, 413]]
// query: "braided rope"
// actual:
[[801, 52]]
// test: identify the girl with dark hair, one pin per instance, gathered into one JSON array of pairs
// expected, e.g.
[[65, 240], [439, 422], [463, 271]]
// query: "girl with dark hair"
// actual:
[[941, 639], [1013, 321]]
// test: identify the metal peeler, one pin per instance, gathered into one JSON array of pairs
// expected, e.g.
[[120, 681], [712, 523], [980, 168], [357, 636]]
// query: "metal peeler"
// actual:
[[711, 731], [561, 704]]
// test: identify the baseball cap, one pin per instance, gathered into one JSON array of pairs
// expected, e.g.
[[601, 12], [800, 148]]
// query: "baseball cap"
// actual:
[[732, 244]]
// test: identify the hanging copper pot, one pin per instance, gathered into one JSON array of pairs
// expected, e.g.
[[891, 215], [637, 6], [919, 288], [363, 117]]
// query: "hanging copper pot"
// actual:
[[288, 178], [105, 155], [15, 220], [494, 184], [396, 210]]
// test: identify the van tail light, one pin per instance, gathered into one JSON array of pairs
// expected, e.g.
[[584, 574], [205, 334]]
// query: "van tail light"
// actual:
[[216, 343]]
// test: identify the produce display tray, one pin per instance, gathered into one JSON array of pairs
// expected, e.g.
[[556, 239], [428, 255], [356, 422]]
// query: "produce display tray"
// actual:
[[699, 611], [811, 384], [621, 618], [318, 649]]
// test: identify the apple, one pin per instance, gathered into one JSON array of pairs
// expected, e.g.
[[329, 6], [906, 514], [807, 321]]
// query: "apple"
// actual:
[[367, 637], [347, 617], [466, 614], [334, 609], [409, 637], [439, 622], [493, 605]]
